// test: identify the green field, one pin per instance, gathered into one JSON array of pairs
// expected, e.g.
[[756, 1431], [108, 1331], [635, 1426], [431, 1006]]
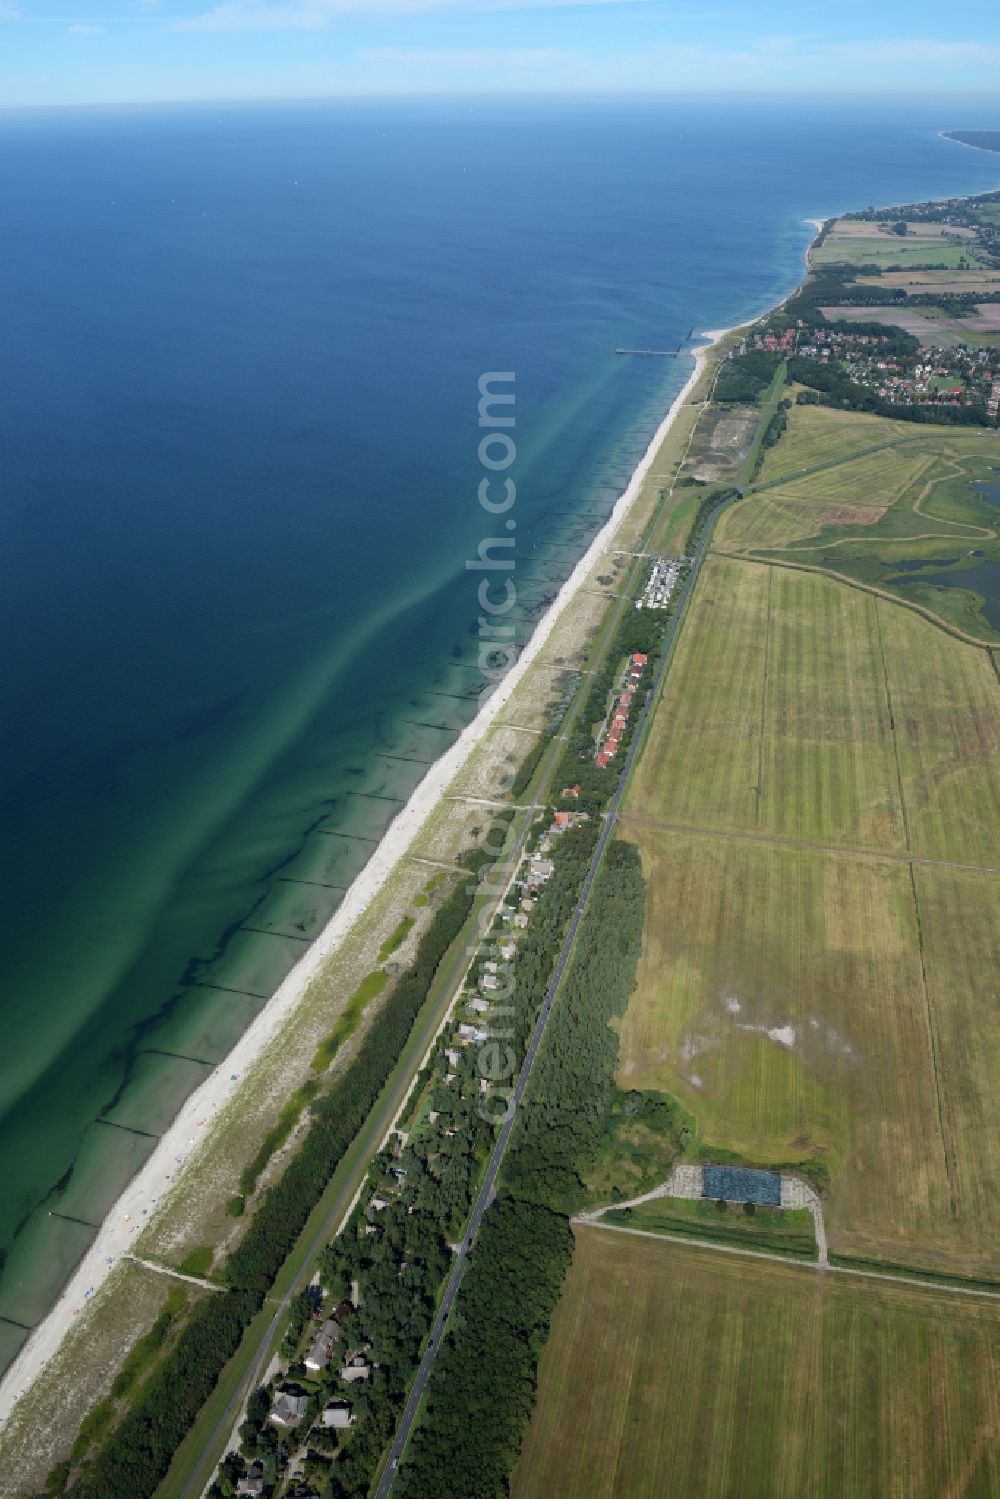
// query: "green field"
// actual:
[[858, 243], [678, 1373], [820, 435], [773, 1230], [851, 497], [907, 515]]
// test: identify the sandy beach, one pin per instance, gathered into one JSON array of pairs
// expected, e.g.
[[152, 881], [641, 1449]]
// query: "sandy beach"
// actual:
[[177, 1151]]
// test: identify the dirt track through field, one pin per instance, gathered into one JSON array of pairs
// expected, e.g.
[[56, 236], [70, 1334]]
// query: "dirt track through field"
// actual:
[[778, 840]]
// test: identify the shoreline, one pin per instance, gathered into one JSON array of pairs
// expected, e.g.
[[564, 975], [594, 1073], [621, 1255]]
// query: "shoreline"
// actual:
[[177, 1150]]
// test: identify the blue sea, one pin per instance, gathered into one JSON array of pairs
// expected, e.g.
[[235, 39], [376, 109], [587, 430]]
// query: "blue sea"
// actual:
[[238, 470]]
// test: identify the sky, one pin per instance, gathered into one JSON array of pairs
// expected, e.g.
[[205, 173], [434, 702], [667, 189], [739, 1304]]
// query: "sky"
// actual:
[[137, 51]]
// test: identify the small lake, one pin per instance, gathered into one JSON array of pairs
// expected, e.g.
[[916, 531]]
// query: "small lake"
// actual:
[[983, 579], [989, 491]]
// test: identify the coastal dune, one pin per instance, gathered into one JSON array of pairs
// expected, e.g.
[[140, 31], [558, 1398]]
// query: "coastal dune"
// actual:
[[178, 1149]]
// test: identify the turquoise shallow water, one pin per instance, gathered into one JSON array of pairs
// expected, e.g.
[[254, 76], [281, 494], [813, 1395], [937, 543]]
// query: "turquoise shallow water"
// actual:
[[238, 405]]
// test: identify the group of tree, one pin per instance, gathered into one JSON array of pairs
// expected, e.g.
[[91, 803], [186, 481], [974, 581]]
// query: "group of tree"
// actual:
[[744, 377], [469, 1439]]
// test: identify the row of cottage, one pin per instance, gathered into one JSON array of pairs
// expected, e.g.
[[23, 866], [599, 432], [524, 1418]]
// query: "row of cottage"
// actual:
[[617, 720]]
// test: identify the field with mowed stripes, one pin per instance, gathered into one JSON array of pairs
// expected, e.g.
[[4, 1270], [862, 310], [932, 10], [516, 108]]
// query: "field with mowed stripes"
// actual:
[[803, 707], [821, 434], [818, 812], [854, 493], [673, 1372]]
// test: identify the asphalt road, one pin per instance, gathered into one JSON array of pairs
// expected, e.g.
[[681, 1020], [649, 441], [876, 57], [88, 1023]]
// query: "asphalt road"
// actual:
[[487, 1190]]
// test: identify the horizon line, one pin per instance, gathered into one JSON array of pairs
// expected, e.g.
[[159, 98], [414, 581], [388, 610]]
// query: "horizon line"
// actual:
[[493, 96]]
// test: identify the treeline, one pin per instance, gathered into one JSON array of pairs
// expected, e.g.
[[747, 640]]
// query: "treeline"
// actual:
[[572, 1086], [775, 428], [705, 515], [744, 377], [471, 1434], [137, 1454], [830, 385], [830, 284], [526, 770], [483, 1392], [339, 1114]]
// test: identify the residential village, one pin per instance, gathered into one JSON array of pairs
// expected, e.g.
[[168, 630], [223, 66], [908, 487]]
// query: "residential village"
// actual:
[[339, 1363], [929, 376]]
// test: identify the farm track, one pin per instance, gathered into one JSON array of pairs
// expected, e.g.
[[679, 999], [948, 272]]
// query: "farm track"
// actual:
[[943, 1287], [760, 560], [762, 733], [810, 845], [933, 1036], [676, 1372]]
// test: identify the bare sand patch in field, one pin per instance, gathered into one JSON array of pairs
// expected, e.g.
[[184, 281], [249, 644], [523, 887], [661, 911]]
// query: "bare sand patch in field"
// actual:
[[854, 515]]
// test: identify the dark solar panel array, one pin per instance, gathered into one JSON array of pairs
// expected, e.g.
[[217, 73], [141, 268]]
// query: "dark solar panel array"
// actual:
[[742, 1184]]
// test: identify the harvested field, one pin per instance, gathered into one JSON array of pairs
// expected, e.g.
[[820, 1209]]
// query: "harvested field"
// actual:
[[780, 997], [946, 702], [861, 701], [806, 752], [948, 283], [986, 320], [802, 506], [676, 1372], [931, 325], [819, 434], [934, 326], [811, 739]]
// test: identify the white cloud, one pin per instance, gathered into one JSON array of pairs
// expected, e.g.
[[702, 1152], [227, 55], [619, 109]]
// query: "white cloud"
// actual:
[[9, 11], [84, 28], [314, 15], [762, 64], [476, 59]]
